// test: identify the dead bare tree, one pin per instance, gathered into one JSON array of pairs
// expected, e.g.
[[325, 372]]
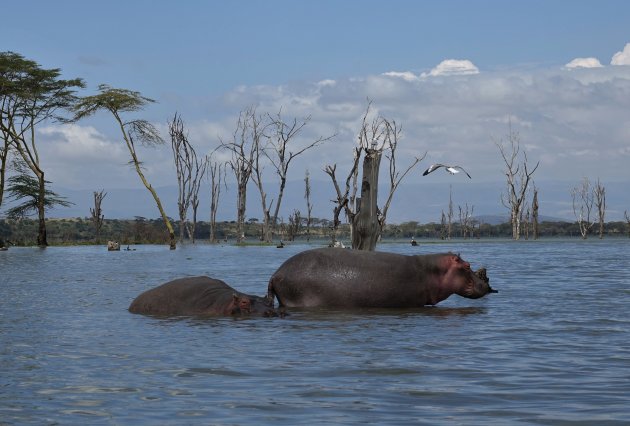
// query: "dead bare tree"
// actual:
[[535, 213], [466, 220], [295, 223], [283, 136], [518, 178], [345, 199], [97, 215], [217, 177], [200, 168], [449, 214], [525, 220], [258, 136], [190, 170], [599, 194], [309, 206], [243, 148], [583, 200], [376, 136]]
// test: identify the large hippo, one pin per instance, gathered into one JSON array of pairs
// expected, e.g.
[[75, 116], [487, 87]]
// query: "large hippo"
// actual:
[[331, 277], [199, 296]]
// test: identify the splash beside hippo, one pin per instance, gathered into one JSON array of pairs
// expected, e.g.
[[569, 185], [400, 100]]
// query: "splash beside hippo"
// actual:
[[199, 296], [337, 278]]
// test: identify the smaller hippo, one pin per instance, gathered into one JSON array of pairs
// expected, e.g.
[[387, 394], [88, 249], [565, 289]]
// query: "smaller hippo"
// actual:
[[199, 296]]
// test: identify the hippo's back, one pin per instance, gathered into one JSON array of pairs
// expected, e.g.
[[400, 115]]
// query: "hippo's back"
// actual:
[[185, 296], [333, 277]]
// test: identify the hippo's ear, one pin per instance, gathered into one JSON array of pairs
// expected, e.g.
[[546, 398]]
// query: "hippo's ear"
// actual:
[[456, 259]]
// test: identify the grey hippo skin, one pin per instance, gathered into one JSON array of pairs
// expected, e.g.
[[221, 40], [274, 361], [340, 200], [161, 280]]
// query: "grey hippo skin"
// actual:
[[338, 278], [199, 296]]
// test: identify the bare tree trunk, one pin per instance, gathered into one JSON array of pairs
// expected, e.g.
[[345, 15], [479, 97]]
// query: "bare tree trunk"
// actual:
[[244, 148], [97, 216], [535, 214], [194, 203], [599, 193], [215, 187], [525, 219], [366, 223], [309, 206], [582, 206], [190, 170], [200, 168], [267, 225], [449, 215], [344, 199], [518, 179], [283, 134], [241, 203], [465, 220], [4, 155], [293, 229]]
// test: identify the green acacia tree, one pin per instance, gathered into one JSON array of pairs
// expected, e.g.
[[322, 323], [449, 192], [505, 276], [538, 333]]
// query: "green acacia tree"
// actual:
[[30, 95], [118, 101], [25, 187]]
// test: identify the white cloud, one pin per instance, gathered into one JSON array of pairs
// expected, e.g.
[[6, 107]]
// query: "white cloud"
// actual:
[[623, 57], [573, 122], [406, 75], [80, 157], [78, 142], [326, 83], [453, 67], [584, 63], [555, 112]]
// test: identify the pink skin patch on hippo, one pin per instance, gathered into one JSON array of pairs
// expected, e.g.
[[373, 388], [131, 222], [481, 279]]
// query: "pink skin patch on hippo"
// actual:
[[459, 277], [242, 305]]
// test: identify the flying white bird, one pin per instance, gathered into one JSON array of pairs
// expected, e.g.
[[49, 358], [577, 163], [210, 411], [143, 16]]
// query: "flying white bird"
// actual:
[[451, 169]]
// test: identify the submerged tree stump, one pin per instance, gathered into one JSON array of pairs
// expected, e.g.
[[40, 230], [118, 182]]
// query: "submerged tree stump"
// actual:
[[366, 226]]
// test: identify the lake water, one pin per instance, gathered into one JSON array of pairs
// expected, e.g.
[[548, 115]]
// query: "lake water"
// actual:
[[552, 347]]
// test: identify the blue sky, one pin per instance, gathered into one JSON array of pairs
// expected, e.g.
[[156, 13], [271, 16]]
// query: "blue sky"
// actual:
[[453, 73], [194, 47]]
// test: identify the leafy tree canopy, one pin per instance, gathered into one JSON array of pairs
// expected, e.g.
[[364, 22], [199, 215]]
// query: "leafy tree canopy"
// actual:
[[30, 93], [117, 101], [24, 186]]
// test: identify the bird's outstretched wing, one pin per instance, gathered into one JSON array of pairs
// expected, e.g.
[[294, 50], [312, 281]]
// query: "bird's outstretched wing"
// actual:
[[451, 169], [432, 168], [456, 169]]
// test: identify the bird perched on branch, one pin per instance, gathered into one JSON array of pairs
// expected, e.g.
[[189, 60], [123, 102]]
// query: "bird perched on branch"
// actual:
[[451, 169]]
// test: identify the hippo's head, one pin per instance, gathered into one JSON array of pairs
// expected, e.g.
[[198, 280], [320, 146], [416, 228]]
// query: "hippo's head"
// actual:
[[467, 283], [243, 304]]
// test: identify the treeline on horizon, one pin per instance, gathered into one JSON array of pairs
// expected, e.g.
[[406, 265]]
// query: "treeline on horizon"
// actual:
[[80, 231]]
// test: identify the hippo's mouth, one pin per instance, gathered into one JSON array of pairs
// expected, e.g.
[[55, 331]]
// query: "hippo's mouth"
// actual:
[[483, 275]]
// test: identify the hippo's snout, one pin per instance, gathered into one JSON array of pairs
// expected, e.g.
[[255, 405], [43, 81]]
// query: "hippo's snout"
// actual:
[[482, 274]]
